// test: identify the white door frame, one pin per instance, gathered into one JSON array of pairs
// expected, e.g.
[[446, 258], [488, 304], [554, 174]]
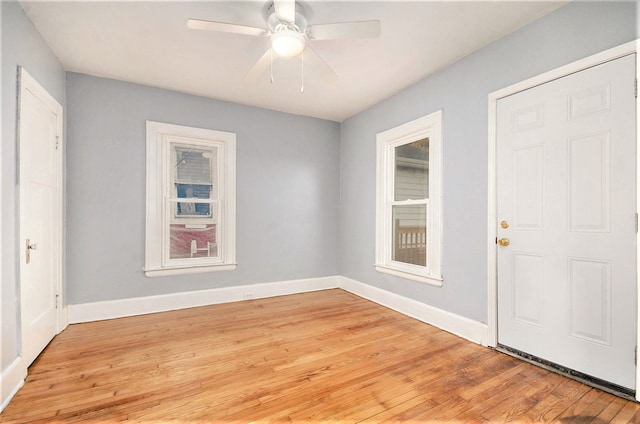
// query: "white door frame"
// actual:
[[27, 83], [492, 218]]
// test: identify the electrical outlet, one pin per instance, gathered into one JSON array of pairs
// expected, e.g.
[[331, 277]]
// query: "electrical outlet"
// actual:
[[247, 296]]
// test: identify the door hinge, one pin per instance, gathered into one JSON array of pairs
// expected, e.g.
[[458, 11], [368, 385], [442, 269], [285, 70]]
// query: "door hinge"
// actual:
[[635, 356], [635, 89], [57, 141], [57, 301], [496, 241], [636, 222]]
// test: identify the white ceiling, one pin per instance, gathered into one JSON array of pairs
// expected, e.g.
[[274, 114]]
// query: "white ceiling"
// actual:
[[148, 43]]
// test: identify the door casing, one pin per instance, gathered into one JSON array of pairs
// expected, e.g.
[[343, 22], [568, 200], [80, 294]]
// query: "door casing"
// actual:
[[492, 218], [27, 82]]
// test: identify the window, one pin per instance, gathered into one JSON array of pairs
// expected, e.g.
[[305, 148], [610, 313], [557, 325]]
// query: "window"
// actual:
[[190, 221], [408, 200]]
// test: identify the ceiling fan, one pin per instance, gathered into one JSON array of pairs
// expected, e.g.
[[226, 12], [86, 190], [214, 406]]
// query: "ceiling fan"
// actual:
[[290, 34]]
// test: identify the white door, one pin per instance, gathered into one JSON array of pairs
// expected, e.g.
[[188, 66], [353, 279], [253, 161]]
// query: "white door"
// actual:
[[566, 205], [40, 133]]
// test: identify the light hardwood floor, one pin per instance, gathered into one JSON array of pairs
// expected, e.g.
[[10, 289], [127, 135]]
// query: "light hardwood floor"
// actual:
[[317, 357]]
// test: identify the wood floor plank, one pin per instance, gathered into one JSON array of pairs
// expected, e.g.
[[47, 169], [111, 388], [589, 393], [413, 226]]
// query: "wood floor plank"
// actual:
[[550, 405], [609, 413], [590, 406], [507, 399], [318, 357], [628, 414]]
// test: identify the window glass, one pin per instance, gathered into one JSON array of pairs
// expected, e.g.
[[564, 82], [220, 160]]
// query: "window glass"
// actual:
[[189, 209], [190, 200], [410, 234], [409, 200], [194, 170], [193, 241], [193, 229], [412, 171]]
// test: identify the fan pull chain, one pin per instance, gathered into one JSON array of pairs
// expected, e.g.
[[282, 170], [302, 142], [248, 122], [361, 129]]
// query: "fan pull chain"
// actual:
[[271, 55], [302, 73]]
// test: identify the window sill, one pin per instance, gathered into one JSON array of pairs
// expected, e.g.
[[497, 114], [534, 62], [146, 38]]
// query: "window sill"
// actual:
[[434, 280], [167, 271]]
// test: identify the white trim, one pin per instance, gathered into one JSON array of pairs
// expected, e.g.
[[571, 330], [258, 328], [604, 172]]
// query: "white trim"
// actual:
[[181, 270], [571, 68], [397, 272], [466, 328], [27, 83], [636, 46], [11, 380], [64, 316], [96, 311], [159, 137], [3, 401], [427, 126], [492, 218]]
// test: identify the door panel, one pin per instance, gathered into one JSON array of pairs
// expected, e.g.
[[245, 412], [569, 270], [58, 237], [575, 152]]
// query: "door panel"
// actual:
[[590, 298], [528, 183], [40, 224], [566, 187], [528, 270], [589, 183]]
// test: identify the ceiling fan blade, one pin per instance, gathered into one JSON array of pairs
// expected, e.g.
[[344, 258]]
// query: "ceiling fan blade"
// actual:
[[318, 66], [360, 29], [224, 27], [285, 10], [260, 67]]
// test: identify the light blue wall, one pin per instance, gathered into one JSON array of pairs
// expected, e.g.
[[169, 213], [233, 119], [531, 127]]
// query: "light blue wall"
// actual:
[[297, 176], [22, 45], [573, 32], [287, 190]]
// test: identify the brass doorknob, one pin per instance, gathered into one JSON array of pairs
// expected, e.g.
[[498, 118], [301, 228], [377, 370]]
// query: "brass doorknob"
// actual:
[[503, 242]]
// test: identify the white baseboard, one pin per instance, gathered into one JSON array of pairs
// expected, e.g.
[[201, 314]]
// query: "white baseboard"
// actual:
[[63, 319], [460, 326], [456, 324], [13, 377], [11, 380], [97, 311]]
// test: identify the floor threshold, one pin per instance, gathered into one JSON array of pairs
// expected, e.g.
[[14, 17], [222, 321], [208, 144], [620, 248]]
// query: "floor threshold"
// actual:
[[598, 383]]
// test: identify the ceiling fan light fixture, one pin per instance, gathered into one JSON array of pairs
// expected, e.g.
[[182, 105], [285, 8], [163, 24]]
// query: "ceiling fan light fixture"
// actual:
[[287, 43]]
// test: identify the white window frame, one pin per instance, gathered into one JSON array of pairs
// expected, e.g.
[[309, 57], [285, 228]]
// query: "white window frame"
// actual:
[[429, 126], [159, 214]]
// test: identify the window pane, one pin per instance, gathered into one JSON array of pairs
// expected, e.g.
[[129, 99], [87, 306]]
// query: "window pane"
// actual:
[[193, 177], [193, 236], [193, 241], [198, 191], [194, 164], [410, 234], [412, 171]]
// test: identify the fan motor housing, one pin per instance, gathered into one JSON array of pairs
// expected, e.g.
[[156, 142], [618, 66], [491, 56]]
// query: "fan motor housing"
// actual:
[[300, 25]]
